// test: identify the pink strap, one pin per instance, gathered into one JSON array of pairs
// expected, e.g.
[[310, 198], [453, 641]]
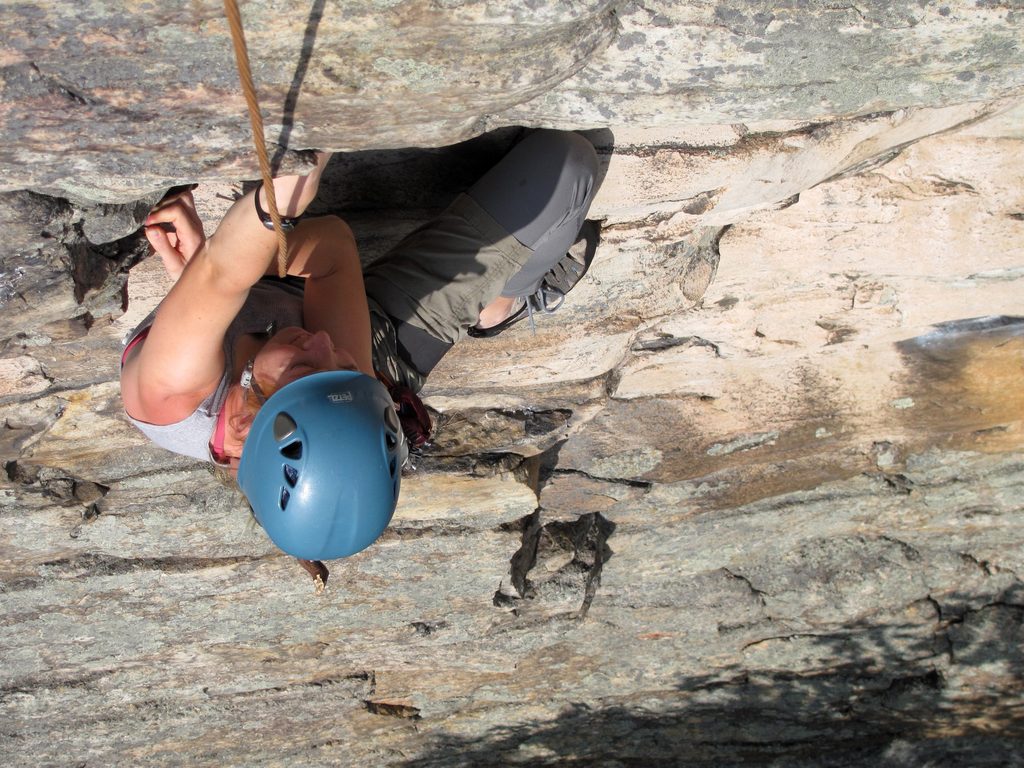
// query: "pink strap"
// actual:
[[217, 443], [134, 343]]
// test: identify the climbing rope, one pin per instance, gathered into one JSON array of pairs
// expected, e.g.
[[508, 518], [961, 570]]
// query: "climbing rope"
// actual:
[[256, 119]]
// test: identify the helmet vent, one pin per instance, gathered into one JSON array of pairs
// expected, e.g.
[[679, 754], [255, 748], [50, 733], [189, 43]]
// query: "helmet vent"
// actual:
[[285, 495], [291, 475], [293, 450], [391, 441], [284, 426], [391, 420]]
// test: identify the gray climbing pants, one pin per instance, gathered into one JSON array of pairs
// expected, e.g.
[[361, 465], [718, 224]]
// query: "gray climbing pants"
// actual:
[[499, 238]]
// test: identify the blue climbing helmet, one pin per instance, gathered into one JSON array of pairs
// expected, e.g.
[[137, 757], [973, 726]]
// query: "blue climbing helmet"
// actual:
[[322, 464]]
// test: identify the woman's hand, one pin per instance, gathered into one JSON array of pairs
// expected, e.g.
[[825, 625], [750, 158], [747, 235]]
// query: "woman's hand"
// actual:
[[182, 360], [175, 231]]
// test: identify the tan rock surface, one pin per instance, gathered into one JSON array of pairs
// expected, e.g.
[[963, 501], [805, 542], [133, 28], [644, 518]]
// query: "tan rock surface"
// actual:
[[777, 520]]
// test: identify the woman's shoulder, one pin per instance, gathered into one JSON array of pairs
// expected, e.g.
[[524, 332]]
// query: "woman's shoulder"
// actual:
[[189, 436], [145, 402]]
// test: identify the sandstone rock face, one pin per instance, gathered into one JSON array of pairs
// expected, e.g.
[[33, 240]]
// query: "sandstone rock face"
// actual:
[[753, 495], [781, 521], [158, 85]]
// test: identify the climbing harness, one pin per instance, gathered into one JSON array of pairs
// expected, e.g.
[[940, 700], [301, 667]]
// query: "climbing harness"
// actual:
[[412, 413], [256, 119]]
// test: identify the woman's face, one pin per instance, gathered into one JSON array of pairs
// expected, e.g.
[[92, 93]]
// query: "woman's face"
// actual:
[[294, 352]]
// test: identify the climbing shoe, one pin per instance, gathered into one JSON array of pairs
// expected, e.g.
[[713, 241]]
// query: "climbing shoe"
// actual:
[[556, 283]]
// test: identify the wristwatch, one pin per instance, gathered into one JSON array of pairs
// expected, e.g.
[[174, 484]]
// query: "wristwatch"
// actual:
[[287, 224]]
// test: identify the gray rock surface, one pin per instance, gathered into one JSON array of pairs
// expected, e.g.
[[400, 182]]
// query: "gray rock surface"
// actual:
[[782, 525], [754, 495], [136, 98]]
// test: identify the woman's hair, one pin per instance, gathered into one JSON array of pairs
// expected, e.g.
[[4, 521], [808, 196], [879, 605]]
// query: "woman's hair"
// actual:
[[226, 479], [249, 406], [250, 403]]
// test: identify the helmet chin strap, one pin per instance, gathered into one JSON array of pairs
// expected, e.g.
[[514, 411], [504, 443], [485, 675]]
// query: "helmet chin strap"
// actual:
[[234, 432], [318, 571]]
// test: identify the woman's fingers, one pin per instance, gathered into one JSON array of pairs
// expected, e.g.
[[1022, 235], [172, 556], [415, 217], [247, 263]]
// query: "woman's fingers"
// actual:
[[173, 261], [188, 199], [190, 236], [157, 238], [178, 215], [175, 194], [168, 213], [175, 210]]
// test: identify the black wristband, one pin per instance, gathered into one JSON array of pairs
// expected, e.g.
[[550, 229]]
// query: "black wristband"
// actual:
[[287, 224]]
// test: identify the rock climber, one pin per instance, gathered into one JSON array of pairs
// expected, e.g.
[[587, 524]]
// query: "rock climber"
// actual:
[[303, 385]]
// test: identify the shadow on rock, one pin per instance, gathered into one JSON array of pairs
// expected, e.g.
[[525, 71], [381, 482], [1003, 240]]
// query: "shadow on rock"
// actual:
[[946, 691]]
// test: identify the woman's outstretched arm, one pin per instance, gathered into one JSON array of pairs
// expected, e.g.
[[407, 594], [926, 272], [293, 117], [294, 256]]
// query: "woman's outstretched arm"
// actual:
[[182, 359]]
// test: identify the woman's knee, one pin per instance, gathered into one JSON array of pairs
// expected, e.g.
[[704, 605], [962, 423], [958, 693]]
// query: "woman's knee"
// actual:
[[545, 180], [576, 153], [333, 227]]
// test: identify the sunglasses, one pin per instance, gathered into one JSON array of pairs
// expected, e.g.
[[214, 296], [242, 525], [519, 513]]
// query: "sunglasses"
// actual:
[[248, 382]]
